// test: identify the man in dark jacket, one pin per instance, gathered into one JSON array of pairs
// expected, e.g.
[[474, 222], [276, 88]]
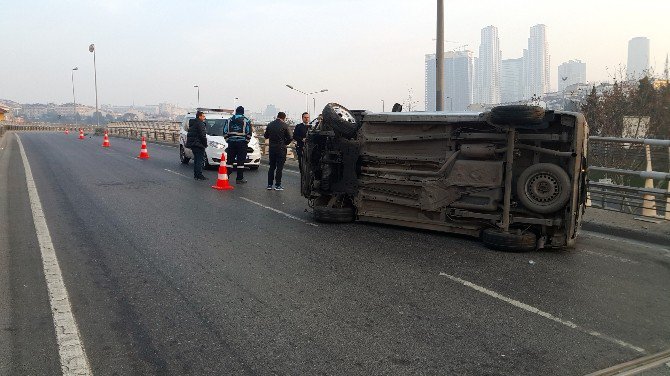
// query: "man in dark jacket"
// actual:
[[238, 133], [278, 134], [196, 140], [299, 135]]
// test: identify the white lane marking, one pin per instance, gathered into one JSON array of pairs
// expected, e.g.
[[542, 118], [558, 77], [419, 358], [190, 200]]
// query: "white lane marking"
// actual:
[[280, 212], [620, 259], [73, 358], [549, 316], [284, 170], [664, 251], [176, 173]]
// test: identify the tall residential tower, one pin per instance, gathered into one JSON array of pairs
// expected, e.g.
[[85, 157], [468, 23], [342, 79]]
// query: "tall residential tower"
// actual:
[[638, 58], [458, 81], [536, 63], [570, 73], [488, 67]]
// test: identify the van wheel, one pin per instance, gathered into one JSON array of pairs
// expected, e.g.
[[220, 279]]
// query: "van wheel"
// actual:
[[340, 119], [517, 115], [513, 241], [182, 155], [543, 188], [334, 215]]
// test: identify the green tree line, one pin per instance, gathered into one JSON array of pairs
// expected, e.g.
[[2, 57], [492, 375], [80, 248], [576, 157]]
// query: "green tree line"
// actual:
[[605, 111]]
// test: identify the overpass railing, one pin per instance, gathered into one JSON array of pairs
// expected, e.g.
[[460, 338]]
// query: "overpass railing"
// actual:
[[629, 175], [625, 175]]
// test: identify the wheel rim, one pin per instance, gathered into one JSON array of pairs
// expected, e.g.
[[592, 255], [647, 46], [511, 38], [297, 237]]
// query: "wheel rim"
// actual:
[[344, 114], [543, 188], [182, 155]]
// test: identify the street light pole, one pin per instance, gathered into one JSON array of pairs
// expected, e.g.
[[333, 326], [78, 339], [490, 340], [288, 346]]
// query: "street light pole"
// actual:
[[307, 95], [198, 87], [383, 105], [439, 58], [91, 48], [74, 98]]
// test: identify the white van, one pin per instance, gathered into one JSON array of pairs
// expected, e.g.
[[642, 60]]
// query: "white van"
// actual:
[[216, 144]]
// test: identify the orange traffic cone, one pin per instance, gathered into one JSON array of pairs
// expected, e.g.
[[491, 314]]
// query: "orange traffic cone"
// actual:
[[67, 131], [105, 141], [81, 134], [144, 154], [222, 183]]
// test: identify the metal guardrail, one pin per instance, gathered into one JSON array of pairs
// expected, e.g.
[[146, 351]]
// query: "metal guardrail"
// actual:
[[617, 180], [620, 189]]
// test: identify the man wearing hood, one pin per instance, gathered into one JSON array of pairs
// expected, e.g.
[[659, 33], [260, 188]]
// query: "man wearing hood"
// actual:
[[196, 140], [238, 133]]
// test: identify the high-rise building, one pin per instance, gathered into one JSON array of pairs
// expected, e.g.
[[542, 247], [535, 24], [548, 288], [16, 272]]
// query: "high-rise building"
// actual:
[[570, 73], [536, 63], [511, 80], [458, 81], [638, 58], [487, 90]]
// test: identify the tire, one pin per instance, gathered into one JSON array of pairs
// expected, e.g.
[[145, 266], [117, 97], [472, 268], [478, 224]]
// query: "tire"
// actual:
[[182, 155], [509, 242], [517, 115], [334, 215], [543, 188], [340, 119]]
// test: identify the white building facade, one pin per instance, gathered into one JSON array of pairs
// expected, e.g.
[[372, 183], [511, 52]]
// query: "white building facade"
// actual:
[[511, 80], [488, 67], [458, 81], [638, 58], [570, 73], [536, 63]]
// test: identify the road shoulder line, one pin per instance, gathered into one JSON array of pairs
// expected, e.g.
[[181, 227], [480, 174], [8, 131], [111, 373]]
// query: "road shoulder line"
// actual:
[[549, 316], [73, 358]]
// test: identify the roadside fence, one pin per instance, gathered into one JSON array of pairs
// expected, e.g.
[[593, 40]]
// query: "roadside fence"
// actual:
[[626, 175]]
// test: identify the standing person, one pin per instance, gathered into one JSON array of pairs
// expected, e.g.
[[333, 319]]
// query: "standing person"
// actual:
[[299, 135], [196, 140], [238, 133], [279, 135]]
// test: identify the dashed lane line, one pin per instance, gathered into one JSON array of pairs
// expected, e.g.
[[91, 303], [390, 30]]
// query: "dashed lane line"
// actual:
[[280, 212], [664, 250], [284, 170], [546, 315], [73, 358], [176, 173]]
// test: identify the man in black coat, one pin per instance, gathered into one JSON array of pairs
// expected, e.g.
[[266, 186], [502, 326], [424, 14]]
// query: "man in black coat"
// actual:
[[196, 140], [299, 135], [279, 135]]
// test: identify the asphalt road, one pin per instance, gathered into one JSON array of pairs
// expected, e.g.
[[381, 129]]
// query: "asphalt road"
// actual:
[[168, 276]]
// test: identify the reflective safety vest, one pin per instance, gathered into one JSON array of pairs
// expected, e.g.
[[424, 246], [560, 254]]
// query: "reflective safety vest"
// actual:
[[237, 129]]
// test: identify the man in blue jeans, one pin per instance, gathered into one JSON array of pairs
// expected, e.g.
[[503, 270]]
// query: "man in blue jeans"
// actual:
[[279, 137], [196, 140]]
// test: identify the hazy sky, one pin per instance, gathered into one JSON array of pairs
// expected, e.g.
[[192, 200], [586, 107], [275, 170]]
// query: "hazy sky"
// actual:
[[363, 51]]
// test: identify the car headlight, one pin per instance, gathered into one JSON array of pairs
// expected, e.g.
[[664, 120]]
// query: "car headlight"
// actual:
[[216, 145]]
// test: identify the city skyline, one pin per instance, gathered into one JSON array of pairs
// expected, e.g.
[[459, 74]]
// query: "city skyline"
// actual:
[[151, 53]]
